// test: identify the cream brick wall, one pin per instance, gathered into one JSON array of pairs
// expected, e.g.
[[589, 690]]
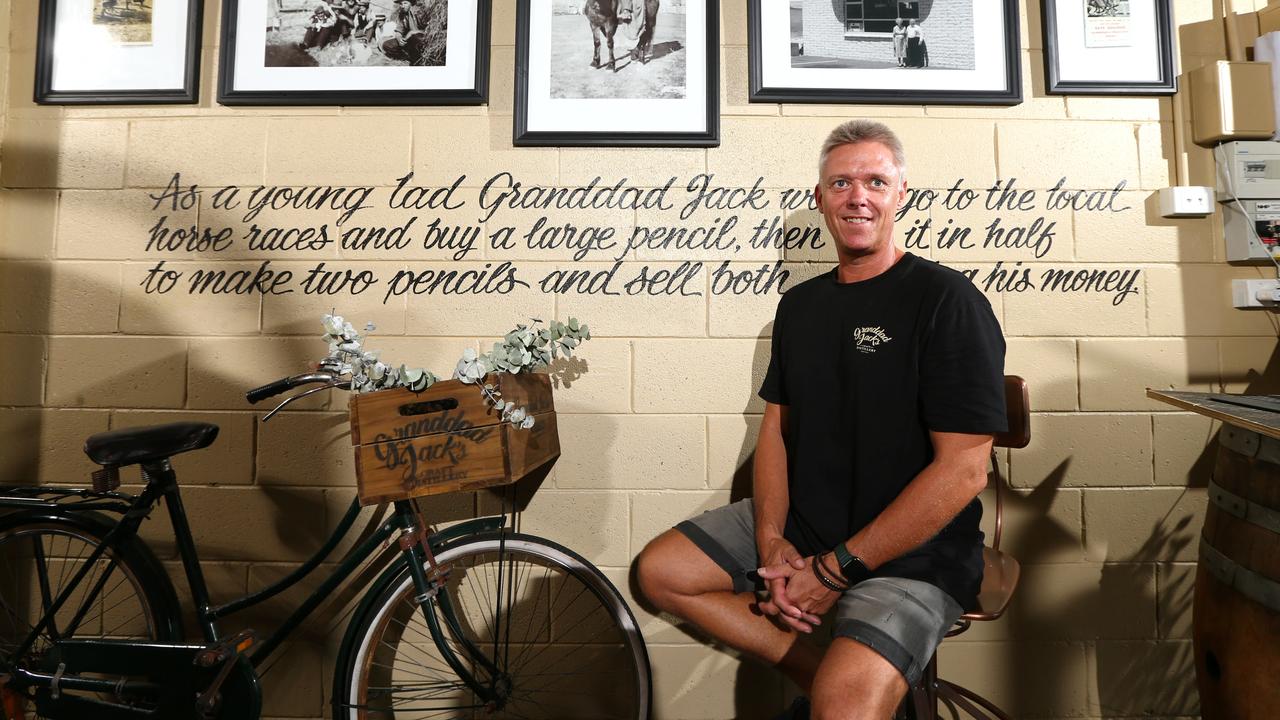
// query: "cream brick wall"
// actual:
[[659, 413]]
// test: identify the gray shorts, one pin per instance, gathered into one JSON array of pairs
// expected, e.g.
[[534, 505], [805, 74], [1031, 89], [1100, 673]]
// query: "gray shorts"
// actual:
[[903, 620]]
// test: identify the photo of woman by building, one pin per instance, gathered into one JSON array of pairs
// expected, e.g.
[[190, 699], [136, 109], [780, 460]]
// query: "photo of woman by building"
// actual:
[[917, 49], [876, 34]]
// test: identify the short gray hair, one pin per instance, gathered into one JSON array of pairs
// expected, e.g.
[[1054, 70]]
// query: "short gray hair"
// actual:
[[859, 131]]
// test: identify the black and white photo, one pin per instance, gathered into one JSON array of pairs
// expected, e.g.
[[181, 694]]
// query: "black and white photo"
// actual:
[[617, 72], [884, 51], [118, 51], [884, 34], [365, 33], [1106, 23], [128, 21], [641, 43], [1106, 8], [1109, 47], [354, 52]]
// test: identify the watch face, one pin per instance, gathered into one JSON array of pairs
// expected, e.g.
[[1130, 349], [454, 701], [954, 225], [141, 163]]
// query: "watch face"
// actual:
[[854, 568]]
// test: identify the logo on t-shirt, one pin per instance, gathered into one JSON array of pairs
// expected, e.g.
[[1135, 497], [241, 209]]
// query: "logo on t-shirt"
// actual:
[[868, 338]]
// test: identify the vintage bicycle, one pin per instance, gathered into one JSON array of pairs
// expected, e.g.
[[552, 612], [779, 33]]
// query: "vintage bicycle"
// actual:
[[474, 620]]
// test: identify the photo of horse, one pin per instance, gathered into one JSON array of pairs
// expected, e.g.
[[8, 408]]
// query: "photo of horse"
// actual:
[[127, 21], [618, 49]]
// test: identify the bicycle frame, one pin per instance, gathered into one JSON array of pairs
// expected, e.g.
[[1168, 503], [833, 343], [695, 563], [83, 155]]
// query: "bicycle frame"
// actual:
[[162, 483]]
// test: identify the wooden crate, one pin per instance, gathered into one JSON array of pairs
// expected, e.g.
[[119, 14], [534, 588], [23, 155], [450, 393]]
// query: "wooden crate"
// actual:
[[447, 438]]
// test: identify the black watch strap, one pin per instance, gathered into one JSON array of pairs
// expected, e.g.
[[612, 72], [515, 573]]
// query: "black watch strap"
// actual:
[[851, 566]]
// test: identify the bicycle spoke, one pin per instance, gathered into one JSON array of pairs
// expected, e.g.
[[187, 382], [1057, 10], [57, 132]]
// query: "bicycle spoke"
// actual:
[[425, 637], [394, 648], [553, 605], [95, 588], [529, 627], [526, 643], [140, 614]]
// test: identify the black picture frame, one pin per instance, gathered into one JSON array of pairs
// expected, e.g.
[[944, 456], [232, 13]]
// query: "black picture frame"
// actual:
[[1165, 84], [864, 85], [706, 111], [47, 56], [477, 93]]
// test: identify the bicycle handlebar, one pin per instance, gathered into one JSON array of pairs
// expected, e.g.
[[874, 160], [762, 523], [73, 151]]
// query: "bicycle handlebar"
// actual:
[[288, 383]]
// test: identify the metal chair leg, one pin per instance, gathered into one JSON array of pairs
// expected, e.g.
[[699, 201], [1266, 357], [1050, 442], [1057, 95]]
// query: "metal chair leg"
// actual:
[[965, 698], [922, 696]]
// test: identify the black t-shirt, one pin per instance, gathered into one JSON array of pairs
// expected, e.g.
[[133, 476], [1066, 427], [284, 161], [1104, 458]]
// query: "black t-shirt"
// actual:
[[867, 369]]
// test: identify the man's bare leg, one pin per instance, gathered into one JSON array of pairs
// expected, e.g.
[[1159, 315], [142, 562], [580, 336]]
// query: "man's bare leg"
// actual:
[[855, 682], [679, 578]]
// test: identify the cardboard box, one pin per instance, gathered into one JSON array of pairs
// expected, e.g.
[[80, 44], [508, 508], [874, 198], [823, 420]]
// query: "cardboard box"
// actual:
[[1232, 101]]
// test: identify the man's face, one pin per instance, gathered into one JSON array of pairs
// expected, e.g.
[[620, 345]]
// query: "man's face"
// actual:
[[859, 193]]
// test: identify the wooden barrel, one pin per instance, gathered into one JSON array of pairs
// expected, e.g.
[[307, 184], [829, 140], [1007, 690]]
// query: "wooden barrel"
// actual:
[[1237, 598]]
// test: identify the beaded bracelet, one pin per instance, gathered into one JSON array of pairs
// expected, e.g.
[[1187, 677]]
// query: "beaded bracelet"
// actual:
[[826, 581], [838, 577]]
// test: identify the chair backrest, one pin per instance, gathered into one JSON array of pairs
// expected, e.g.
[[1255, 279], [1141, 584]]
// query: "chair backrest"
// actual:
[[1017, 403]]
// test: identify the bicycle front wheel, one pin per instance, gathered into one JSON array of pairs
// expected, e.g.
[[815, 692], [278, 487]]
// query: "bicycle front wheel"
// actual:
[[538, 626]]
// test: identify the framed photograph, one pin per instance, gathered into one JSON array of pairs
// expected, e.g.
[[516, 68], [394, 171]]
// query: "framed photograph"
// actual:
[[1109, 47], [354, 52], [118, 51], [623, 73], [935, 52]]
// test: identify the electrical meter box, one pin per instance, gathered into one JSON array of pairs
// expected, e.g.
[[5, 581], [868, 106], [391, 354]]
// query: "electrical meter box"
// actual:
[[1248, 169], [1253, 236]]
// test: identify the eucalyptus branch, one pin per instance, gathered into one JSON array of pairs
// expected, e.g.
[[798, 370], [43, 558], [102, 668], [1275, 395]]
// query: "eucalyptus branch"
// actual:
[[527, 348]]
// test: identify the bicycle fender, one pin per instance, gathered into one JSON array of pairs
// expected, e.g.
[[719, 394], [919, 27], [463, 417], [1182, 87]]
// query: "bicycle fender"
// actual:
[[469, 527]]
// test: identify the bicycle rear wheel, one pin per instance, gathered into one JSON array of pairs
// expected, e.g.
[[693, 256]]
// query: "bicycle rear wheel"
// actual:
[[557, 640], [124, 595]]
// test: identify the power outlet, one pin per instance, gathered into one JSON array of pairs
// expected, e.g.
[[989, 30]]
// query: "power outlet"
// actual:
[[1246, 294], [1186, 201]]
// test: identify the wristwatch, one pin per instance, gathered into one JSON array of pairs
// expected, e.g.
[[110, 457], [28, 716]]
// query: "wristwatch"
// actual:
[[851, 566]]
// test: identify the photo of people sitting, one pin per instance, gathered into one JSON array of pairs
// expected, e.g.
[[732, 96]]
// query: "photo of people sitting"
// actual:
[[357, 32]]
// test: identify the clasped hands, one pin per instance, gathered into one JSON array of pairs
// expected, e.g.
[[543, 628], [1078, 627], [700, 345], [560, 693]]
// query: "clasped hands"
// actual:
[[796, 597]]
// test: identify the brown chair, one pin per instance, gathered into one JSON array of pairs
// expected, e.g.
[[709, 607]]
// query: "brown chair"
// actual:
[[1000, 577]]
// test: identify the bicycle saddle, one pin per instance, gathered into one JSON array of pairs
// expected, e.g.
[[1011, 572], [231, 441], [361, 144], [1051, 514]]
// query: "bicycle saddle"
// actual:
[[117, 448]]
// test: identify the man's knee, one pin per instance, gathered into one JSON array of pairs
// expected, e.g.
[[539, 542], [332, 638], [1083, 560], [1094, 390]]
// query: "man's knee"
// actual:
[[855, 682], [657, 570], [672, 569]]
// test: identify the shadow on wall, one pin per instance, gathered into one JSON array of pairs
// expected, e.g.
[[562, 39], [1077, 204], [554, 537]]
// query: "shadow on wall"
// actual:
[[758, 691], [1134, 677], [74, 372]]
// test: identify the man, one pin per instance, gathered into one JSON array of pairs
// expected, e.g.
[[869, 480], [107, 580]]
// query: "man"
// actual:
[[884, 386], [320, 26], [410, 33], [345, 19], [638, 16], [366, 26]]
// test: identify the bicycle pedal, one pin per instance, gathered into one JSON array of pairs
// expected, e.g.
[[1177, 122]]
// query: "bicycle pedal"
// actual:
[[225, 650]]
